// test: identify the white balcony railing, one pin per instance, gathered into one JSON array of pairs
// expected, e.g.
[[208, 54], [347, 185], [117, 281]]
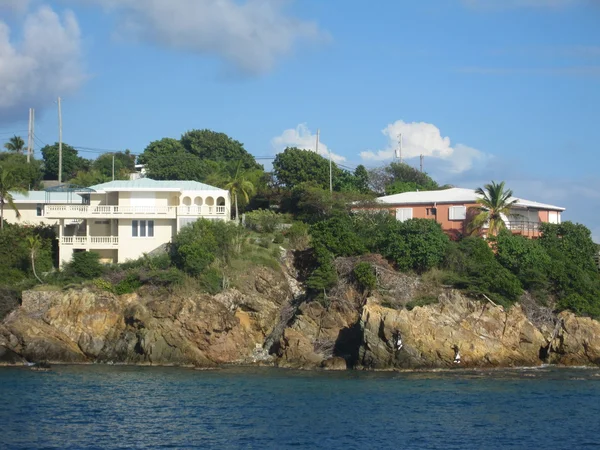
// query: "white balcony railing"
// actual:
[[90, 241], [77, 211]]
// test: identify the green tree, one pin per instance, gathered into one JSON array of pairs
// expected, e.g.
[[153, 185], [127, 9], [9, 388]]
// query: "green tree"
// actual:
[[71, 162], [15, 144], [295, 166], [34, 242], [124, 164], [495, 204], [218, 147], [27, 175], [238, 185], [475, 269], [8, 185], [417, 244], [337, 236]]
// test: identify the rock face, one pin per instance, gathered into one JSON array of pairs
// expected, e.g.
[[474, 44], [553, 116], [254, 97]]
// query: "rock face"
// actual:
[[268, 320]]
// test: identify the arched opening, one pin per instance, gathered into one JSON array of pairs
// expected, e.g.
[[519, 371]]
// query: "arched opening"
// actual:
[[198, 201], [174, 201], [210, 201], [221, 201], [187, 201]]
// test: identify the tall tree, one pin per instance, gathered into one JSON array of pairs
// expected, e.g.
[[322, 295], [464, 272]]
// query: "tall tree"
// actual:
[[8, 185], [15, 144], [296, 166], [495, 204], [71, 162], [124, 164], [239, 184], [27, 175], [219, 147], [34, 243]]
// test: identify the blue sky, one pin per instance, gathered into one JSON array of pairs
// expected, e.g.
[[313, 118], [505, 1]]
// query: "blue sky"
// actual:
[[485, 89]]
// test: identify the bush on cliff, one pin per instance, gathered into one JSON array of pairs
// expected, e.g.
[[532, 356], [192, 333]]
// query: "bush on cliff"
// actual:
[[475, 269], [15, 253], [84, 265]]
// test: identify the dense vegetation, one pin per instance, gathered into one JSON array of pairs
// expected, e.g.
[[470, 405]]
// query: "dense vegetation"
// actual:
[[292, 207]]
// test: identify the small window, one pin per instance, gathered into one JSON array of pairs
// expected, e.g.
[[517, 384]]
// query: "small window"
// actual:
[[134, 228], [39, 210], [151, 228], [457, 213], [142, 228], [404, 214], [553, 217]]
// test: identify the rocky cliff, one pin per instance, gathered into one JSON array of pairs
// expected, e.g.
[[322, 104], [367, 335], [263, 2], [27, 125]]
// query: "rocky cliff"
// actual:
[[269, 321]]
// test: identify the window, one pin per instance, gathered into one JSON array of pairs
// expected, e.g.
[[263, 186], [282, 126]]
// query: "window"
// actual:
[[553, 217], [457, 213], [142, 228], [102, 222], [39, 210], [431, 211], [404, 214]]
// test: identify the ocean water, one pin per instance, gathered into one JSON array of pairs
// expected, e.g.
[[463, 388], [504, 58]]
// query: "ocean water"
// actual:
[[105, 407]]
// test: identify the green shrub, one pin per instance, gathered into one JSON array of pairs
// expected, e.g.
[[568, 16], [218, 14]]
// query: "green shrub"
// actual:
[[102, 284], [211, 280], [324, 276], [264, 243], [129, 284], [365, 277], [422, 301], [475, 269], [278, 239], [170, 277], [417, 244], [85, 265], [264, 220], [298, 236], [337, 236]]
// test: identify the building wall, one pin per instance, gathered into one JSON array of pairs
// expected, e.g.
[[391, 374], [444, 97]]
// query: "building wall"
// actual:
[[28, 215], [133, 247], [458, 227]]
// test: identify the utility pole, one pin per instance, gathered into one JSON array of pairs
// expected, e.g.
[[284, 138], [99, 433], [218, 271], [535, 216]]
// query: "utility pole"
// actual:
[[330, 174], [59, 142], [32, 133], [422, 158], [113, 166], [29, 137], [399, 149], [317, 146]]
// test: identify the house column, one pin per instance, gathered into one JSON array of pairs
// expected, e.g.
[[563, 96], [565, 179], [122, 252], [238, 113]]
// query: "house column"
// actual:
[[87, 234]]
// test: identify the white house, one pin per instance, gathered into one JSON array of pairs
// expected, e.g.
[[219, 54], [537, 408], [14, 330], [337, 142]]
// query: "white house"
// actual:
[[122, 220]]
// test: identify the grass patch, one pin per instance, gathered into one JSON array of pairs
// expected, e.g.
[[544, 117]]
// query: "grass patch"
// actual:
[[422, 301]]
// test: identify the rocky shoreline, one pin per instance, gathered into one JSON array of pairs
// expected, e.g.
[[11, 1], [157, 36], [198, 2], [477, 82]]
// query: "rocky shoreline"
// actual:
[[267, 321]]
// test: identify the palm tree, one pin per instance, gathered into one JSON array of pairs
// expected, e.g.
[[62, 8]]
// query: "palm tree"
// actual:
[[15, 144], [34, 242], [8, 185], [239, 184], [495, 204]]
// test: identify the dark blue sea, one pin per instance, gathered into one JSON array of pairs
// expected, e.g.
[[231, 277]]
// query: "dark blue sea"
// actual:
[[105, 407]]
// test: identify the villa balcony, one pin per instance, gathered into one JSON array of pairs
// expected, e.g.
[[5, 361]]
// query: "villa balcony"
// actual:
[[524, 228], [91, 242], [130, 212]]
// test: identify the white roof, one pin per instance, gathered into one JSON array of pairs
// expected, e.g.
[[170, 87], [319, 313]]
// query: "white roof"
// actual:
[[454, 195], [148, 184]]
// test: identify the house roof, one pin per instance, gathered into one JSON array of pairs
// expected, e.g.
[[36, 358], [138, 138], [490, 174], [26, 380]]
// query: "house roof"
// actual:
[[148, 184], [41, 197], [454, 195]]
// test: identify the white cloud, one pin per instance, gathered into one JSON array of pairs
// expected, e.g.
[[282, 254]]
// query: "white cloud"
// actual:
[[45, 64], [420, 138], [250, 35], [301, 137]]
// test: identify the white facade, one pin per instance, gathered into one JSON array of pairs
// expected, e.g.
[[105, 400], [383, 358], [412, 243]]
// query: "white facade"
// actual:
[[122, 220]]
